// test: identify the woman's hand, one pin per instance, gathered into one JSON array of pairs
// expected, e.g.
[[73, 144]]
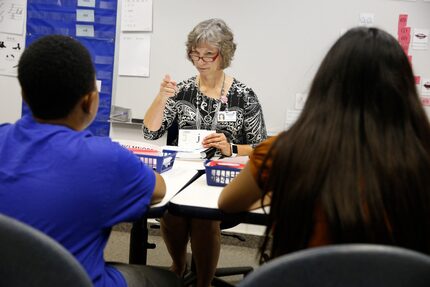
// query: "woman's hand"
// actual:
[[154, 115], [168, 88], [219, 141]]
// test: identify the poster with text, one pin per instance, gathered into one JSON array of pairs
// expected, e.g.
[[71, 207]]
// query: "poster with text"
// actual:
[[12, 15], [11, 47]]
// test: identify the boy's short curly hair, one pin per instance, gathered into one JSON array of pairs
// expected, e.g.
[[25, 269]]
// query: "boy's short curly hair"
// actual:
[[54, 72]]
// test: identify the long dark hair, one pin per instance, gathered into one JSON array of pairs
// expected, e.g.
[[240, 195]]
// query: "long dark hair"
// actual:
[[359, 152]]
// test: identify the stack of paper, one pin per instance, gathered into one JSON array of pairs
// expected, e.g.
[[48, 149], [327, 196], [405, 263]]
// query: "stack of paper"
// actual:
[[185, 153]]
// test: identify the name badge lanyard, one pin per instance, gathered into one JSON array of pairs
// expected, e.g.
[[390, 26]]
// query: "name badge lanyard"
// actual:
[[199, 117], [215, 119]]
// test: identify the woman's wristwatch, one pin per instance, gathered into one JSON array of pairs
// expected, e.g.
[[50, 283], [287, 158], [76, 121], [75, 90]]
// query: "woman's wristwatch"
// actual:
[[234, 150]]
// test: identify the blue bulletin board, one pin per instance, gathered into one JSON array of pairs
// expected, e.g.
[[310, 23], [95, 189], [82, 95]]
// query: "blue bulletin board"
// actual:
[[91, 22]]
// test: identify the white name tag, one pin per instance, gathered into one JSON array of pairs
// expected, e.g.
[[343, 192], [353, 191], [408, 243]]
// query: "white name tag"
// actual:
[[83, 15], [84, 31], [87, 3], [192, 139], [227, 116]]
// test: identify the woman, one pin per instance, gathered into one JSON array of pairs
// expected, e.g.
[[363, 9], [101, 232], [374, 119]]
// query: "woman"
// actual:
[[211, 100], [355, 166]]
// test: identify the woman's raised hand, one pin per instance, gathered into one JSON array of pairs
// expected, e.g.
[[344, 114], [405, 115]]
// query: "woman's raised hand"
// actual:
[[168, 87]]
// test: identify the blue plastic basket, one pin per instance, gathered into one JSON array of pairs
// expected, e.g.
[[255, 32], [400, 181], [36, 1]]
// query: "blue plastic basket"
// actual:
[[220, 175], [159, 163]]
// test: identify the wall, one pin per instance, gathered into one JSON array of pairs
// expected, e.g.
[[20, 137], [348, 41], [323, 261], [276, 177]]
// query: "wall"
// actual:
[[10, 99]]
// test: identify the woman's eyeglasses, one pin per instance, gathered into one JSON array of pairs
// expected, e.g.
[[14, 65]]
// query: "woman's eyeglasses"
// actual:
[[195, 57]]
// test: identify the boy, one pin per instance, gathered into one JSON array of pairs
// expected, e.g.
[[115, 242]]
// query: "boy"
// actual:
[[61, 179]]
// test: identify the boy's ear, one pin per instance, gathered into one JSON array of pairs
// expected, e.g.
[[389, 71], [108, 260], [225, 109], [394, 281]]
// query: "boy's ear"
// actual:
[[85, 103], [88, 100]]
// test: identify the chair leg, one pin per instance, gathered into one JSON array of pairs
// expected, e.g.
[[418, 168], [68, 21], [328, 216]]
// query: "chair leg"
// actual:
[[138, 242]]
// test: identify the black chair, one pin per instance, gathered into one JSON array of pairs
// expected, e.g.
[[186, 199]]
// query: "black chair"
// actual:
[[173, 133], [351, 265], [30, 258]]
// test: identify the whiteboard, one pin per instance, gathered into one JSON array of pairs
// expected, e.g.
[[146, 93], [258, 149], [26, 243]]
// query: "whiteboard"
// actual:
[[280, 45]]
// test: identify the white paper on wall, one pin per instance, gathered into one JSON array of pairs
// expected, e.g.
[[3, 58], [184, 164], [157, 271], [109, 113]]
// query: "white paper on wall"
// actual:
[[11, 47], [425, 87], [300, 101], [136, 15], [134, 51], [366, 19], [420, 39], [292, 116], [12, 16]]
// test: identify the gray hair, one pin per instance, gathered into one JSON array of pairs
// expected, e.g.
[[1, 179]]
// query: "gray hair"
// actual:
[[214, 32]]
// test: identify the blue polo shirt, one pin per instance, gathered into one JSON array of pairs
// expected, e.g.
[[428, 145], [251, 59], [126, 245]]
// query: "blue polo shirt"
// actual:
[[74, 187]]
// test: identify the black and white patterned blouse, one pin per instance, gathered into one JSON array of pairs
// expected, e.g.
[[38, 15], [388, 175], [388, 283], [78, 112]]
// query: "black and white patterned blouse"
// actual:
[[249, 127]]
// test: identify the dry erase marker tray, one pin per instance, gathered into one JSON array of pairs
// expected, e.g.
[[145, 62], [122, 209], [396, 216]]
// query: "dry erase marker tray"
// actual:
[[220, 173], [159, 161]]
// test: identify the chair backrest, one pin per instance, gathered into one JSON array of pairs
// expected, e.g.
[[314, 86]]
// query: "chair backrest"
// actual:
[[352, 265], [30, 258], [173, 133]]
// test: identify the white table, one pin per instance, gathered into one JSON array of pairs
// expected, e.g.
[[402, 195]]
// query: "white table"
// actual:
[[199, 200], [176, 178]]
